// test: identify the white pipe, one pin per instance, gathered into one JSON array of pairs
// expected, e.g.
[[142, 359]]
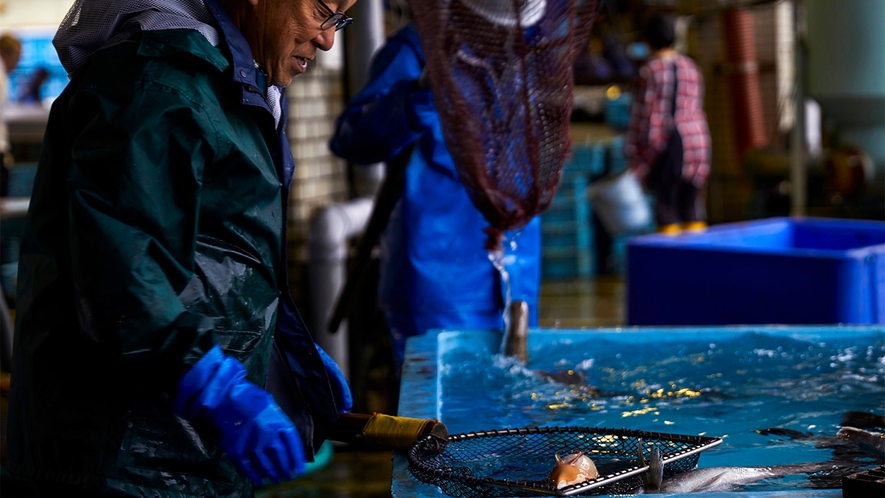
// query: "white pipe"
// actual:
[[330, 230], [798, 172]]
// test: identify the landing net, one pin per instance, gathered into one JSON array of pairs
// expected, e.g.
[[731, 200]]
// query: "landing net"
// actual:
[[502, 78], [515, 462]]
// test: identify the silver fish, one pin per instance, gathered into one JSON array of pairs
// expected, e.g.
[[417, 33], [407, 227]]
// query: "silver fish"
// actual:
[[717, 478]]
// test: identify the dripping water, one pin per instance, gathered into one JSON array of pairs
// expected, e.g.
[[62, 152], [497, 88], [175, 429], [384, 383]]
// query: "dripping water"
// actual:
[[500, 260]]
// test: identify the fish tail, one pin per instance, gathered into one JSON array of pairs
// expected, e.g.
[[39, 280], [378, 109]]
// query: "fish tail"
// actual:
[[654, 476], [803, 468]]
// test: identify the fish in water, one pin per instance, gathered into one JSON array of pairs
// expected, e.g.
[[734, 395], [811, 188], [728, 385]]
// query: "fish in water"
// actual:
[[574, 468], [515, 343], [716, 478], [577, 381], [872, 443], [851, 444], [862, 420]]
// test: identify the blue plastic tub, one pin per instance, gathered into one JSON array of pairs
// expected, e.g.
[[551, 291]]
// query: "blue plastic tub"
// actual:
[[716, 381], [566, 232], [778, 270]]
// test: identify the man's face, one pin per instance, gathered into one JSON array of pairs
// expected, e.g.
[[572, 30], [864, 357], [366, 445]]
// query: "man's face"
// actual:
[[285, 34]]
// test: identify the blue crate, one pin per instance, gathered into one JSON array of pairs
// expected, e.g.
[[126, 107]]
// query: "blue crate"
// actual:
[[773, 271], [598, 159], [618, 254], [566, 251], [617, 111], [566, 233], [588, 160], [566, 210], [566, 263], [570, 202], [579, 159], [617, 161]]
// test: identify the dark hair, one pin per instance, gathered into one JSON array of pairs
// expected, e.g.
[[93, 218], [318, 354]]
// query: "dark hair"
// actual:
[[660, 31]]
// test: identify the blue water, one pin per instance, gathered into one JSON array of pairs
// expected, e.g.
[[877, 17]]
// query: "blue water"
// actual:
[[727, 389]]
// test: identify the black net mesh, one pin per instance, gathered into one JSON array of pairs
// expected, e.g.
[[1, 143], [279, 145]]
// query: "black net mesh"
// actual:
[[502, 77], [516, 462]]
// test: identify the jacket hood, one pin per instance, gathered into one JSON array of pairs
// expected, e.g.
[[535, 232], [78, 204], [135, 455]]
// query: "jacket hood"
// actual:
[[93, 24]]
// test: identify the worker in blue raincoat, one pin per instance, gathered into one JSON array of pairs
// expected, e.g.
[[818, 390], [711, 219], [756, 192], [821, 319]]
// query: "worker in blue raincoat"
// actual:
[[152, 281], [436, 272]]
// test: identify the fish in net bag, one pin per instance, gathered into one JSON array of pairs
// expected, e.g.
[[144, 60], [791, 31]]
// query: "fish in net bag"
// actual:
[[501, 72]]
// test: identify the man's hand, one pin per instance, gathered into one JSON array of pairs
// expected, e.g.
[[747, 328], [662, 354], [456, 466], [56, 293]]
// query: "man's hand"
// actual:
[[255, 433]]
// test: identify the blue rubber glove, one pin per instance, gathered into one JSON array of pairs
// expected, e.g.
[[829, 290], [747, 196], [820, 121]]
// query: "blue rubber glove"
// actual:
[[255, 433], [343, 397]]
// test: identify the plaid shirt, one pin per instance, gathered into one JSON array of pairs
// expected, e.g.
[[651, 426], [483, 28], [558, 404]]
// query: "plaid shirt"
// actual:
[[652, 119]]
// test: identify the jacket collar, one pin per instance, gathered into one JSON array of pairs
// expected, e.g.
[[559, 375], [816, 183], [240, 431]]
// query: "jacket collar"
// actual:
[[244, 70], [254, 87]]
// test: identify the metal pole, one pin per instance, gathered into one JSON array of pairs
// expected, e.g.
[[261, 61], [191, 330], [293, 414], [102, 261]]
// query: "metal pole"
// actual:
[[798, 171], [364, 37]]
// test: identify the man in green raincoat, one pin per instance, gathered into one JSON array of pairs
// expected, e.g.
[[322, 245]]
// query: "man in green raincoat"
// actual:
[[152, 290]]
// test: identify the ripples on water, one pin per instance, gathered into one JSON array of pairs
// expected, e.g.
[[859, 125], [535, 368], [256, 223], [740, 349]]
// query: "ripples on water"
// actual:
[[725, 389]]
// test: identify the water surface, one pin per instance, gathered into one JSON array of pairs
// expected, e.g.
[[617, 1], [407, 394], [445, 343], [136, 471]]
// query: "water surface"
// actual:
[[727, 388]]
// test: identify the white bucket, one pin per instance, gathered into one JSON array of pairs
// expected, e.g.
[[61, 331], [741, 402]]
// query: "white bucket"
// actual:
[[620, 203]]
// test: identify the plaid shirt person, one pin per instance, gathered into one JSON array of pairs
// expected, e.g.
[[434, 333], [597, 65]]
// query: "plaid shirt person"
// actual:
[[652, 118]]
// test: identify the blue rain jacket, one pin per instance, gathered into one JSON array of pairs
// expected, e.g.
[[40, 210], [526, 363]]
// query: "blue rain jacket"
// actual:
[[435, 272]]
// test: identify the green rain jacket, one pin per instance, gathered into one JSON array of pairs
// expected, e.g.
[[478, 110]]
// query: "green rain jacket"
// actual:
[[156, 230]]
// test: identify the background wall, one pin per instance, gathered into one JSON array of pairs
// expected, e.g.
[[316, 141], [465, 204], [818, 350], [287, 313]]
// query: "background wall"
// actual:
[[30, 13]]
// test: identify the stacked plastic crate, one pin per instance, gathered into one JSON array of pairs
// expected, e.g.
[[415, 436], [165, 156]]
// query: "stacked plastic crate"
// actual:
[[617, 163], [567, 231]]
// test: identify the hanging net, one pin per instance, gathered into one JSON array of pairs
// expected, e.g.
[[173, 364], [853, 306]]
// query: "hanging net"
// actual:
[[502, 78]]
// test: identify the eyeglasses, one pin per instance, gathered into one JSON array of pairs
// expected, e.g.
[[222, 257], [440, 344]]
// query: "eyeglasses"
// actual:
[[337, 19]]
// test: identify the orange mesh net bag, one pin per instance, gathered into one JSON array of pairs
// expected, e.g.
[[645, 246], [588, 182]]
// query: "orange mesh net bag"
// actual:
[[502, 78]]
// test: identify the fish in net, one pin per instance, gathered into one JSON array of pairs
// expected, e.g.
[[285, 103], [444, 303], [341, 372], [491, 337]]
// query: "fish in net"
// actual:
[[516, 462]]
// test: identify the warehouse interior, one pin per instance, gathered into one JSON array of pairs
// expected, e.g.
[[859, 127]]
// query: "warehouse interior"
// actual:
[[795, 102]]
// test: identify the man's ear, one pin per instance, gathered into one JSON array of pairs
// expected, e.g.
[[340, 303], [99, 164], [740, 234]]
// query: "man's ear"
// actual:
[[253, 2]]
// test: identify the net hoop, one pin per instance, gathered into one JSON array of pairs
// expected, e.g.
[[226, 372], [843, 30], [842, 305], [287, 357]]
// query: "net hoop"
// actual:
[[452, 464]]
